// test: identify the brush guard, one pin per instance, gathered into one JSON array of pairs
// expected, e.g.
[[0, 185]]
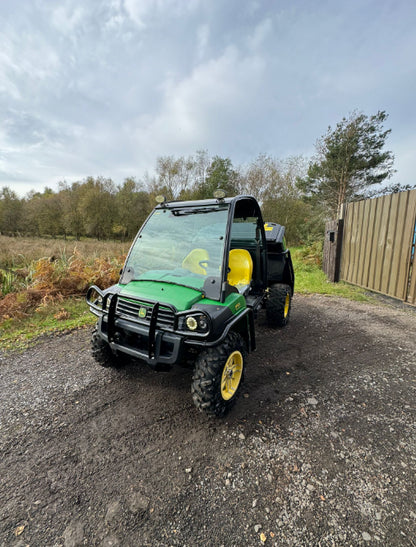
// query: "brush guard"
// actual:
[[139, 339]]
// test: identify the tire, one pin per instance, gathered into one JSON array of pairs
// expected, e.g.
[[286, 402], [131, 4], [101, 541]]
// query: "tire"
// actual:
[[278, 305], [218, 376], [102, 353]]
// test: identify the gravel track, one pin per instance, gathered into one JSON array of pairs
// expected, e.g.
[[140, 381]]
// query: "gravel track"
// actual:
[[319, 450]]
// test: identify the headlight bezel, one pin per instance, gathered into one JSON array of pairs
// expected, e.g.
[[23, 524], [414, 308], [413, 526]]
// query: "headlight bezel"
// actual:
[[199, 319]]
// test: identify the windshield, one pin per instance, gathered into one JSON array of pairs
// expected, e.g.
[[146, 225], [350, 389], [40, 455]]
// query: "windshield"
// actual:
[[180, 246]]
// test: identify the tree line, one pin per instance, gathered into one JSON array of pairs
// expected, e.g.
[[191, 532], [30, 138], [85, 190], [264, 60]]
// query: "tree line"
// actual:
[[97, 207], [349, 160]]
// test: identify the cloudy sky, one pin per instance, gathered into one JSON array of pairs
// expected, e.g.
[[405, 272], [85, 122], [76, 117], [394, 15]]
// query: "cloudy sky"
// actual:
[[103, 87]]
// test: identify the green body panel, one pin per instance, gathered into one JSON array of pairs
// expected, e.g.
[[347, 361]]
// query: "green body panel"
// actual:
[[182, 298]]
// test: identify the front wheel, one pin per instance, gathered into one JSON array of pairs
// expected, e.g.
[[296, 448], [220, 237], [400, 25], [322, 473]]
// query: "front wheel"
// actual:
[[218, 375], [278, 305], [102, 353]]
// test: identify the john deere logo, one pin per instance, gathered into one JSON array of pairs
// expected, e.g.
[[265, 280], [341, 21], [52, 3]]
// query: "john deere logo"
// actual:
[[142, 312]]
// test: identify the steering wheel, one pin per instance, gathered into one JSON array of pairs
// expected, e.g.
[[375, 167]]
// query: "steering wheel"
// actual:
[[206, 264]]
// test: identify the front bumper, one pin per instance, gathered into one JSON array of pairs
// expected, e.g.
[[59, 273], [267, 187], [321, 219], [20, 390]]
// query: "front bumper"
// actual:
[[163, 348]]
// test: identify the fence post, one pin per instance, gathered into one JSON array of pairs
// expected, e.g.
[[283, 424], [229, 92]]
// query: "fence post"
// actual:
[[331, 263]]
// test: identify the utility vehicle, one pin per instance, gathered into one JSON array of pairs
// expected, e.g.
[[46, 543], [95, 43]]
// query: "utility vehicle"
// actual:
[[193, 282]]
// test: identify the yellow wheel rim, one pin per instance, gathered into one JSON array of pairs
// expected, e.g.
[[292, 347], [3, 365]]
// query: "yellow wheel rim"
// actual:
[[287, 305], [231, 375]]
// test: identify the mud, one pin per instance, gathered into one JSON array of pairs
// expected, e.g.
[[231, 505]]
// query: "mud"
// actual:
[[319, 450]]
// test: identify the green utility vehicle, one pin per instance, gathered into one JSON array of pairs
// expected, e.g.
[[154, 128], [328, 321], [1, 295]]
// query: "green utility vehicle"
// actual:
[[193, 282]]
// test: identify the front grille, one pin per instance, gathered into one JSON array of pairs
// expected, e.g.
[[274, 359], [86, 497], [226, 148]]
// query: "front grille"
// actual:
[[129, 309]]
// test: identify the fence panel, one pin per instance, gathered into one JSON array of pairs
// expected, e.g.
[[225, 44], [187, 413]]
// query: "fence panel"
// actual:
[[409, 222], [377, 245], [369, 242], [364, 242], [391, 236]]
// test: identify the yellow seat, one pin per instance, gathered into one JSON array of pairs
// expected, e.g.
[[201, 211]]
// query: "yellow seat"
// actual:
[[240, 266], [196, 261]]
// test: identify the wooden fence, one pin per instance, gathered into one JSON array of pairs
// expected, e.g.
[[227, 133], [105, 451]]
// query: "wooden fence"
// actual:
[[378, 245]]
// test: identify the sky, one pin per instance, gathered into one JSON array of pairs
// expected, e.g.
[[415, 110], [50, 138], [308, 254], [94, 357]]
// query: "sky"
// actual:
[[102, 88]]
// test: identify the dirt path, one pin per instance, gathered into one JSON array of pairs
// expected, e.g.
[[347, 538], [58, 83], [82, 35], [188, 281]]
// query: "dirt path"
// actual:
[[320, 450]]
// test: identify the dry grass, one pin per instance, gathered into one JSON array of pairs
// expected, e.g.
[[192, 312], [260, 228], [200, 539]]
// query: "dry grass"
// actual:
[[20, 252], [36, 272]]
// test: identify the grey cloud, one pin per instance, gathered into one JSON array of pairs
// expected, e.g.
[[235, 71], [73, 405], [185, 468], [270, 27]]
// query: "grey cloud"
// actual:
[[25, 129]]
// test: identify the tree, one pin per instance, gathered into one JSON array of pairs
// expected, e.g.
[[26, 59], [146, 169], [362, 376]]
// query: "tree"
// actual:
[[10, 211], [272, 181], [174, 176], [272, 178], [72, 218], [133, 206], [260, 175], [97, 206], [219, 174], [49, 213], [349, 159]]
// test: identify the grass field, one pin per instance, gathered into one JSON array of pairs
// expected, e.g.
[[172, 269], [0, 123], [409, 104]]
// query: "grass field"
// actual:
[[43, 282], [21, 252], [310, 279]]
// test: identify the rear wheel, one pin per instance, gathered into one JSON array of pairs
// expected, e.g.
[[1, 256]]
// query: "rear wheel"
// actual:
[[102, 353], [278, 305], [218, 376]]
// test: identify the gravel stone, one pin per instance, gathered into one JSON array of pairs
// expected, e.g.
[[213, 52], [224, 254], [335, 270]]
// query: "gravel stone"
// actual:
[[137, 503], [74, 534], [114, 511]]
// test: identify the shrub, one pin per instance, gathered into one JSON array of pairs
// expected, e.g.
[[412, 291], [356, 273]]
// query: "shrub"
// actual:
[[310, 254], [53, 279]]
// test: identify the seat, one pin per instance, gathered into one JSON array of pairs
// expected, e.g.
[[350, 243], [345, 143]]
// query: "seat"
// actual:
[[196, 261], [240, 265]]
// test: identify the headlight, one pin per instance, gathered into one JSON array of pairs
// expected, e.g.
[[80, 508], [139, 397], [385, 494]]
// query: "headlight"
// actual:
[[191, 323], [197, 322]]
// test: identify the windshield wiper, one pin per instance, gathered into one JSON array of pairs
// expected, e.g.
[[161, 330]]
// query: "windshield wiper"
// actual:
[[195, 211], [172, 283]]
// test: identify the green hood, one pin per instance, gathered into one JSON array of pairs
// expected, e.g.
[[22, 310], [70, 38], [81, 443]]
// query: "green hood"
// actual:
[[182, 298]]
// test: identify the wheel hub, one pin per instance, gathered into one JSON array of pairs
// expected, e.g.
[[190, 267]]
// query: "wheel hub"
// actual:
[[231, 375]]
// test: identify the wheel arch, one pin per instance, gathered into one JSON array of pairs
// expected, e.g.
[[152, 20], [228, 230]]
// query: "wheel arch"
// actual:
[[245, 327]]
